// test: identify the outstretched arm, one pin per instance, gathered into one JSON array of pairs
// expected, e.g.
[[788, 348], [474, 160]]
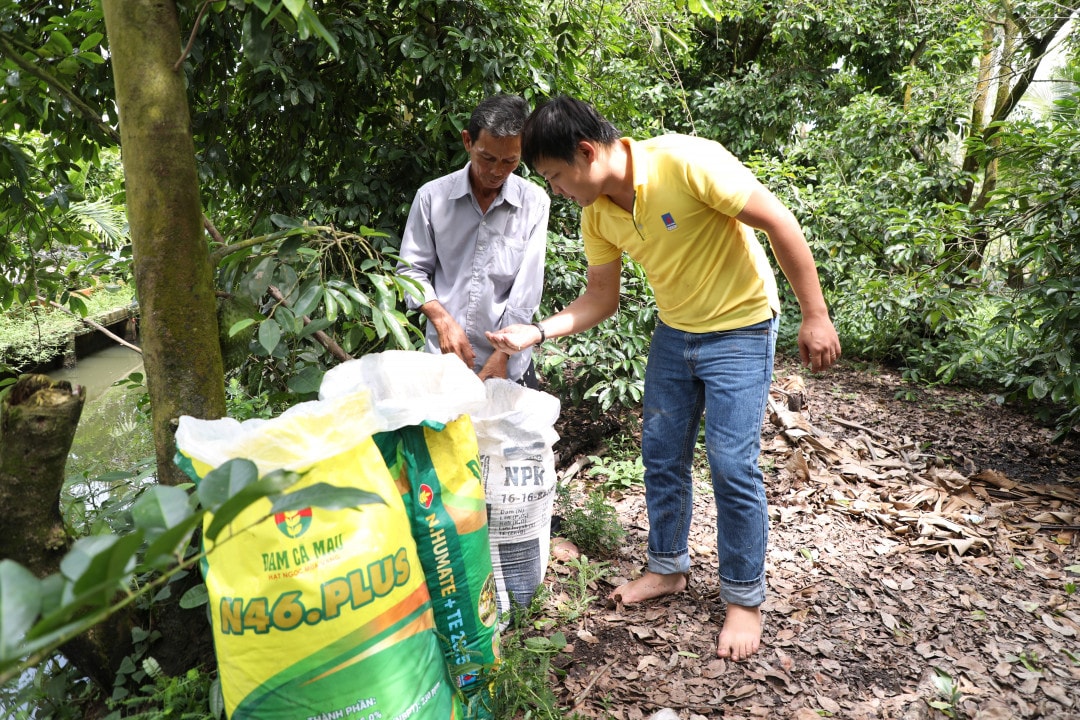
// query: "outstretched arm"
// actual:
[[599, 302], [819, 345]]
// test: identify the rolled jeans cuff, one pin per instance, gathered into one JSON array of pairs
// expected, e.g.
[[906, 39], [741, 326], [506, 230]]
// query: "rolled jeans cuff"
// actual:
[[747, 594], [669, 564]]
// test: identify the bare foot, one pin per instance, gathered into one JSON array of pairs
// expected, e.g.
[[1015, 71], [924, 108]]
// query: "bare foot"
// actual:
[[648, 586], [741, 635]]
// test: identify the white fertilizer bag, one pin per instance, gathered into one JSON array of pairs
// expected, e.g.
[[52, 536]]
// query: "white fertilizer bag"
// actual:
[[515, 432]]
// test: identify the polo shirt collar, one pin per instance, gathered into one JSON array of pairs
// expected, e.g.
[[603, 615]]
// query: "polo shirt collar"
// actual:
[[639, 162]]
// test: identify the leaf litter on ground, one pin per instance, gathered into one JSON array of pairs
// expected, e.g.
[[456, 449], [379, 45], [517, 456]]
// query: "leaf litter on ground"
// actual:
[[922, 564]]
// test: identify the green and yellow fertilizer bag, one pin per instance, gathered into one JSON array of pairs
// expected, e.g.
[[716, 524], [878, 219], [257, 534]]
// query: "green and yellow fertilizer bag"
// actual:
[[430, 447], [318, 613]]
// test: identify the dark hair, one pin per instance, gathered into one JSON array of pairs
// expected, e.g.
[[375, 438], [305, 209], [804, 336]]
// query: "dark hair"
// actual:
[[555, 128], [500, 115]]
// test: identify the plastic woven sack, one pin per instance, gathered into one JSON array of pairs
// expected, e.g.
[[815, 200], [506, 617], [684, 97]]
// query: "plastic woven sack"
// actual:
[[430, 446], [515, 431], [318, 613]]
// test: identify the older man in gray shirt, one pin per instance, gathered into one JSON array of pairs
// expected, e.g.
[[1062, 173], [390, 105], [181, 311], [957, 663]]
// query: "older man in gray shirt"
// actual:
[[475, 242]]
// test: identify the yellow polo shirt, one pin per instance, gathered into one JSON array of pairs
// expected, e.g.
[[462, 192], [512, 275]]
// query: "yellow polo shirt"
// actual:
[[707, 270]]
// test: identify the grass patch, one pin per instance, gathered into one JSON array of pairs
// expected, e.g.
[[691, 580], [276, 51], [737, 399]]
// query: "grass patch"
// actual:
[[31, 335]]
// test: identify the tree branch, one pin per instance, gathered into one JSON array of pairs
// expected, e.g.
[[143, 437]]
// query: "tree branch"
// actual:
[[1037, 47], [48, 80], [191, 38], [220, 253], [325, 340]]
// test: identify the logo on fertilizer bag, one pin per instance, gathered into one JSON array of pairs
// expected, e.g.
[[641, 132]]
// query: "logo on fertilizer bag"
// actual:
[[425, 496], [293, 524]]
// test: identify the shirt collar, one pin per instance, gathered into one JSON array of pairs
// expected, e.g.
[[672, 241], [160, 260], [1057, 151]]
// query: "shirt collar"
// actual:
[[512, 190], [639, 161]]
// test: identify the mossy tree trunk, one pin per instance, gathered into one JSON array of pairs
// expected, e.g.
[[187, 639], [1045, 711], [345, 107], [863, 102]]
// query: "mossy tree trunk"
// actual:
[[173, 276], [38, 418]]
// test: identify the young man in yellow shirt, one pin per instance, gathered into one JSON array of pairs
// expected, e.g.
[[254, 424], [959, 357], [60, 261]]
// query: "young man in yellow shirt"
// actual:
[[687, 211]]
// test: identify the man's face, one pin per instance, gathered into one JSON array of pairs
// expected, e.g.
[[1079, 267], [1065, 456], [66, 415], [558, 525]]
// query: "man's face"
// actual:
[[571, 180], [493, 158]]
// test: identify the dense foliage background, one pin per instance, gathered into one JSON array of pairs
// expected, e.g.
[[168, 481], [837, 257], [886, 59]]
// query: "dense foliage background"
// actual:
[[931, 150]]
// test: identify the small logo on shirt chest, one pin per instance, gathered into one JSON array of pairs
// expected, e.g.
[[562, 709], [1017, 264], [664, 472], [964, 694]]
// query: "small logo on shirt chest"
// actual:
[[669, 222]]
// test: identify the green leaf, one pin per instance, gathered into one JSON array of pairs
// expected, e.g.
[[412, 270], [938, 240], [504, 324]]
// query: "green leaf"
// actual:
[[290, 248], [100, 566], [307, 380], [20, 604], [256, 282], [217, 701], [241, 325], [314, 326], [396, 323], [340, 299], [168, 547], [225, 481], [309, 24], [274, 483], [358, 297], [161, 507], [257, 38], [284, 221], [59, 44], [90, 41], [309, 300], [330, 306], [269, 335], [324, 495], [195, 597]]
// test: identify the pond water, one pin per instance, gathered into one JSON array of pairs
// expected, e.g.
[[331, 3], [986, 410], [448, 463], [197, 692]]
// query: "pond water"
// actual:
[[113, 445], [98, 371]]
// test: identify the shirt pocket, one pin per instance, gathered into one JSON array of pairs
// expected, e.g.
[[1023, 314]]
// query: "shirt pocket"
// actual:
[[506, 257]]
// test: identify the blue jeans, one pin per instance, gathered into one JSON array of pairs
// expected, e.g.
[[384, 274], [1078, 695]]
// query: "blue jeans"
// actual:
[[726, 377]]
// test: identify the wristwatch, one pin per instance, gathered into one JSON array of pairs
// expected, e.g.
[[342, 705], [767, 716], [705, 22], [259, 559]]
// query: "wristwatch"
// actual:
[[543, 333]]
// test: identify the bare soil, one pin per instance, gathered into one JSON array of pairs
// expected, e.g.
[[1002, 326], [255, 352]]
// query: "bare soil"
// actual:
[[922, 564]]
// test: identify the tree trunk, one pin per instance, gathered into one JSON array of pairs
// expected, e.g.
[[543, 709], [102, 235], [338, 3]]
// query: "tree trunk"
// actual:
[[38, 418], [978, 105], [37, 423], [173, 276]]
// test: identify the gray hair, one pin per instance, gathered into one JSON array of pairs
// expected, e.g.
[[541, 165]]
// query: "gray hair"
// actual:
[[500, 115]]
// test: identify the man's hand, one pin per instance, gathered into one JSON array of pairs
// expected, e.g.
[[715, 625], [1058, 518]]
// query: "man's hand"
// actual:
[[495, 367], [452, 338], [514, 338], [819, 345]]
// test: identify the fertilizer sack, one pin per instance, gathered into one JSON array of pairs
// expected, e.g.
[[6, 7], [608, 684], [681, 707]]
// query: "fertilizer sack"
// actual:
[[318, 613], [430, 447], [515, 431], [438, 474]]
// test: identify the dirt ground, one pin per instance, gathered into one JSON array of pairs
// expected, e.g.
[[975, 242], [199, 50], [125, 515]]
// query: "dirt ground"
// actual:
[[923, 562]]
